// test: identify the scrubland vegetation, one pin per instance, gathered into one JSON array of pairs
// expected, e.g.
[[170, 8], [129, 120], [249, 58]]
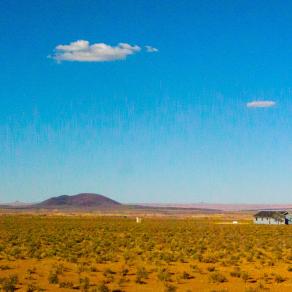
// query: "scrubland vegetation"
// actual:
[[44, 253]]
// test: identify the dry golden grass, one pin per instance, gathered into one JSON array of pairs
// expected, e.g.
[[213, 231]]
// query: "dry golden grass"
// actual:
[[61, 253]]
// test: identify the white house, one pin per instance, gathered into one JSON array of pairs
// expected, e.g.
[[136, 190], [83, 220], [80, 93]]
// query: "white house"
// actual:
[[272, 217]]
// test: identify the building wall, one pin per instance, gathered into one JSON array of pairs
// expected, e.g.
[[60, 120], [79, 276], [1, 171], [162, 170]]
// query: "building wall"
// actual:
[[259, 220], [288, 219]]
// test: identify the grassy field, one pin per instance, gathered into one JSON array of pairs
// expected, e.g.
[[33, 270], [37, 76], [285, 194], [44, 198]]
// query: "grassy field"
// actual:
[[62, 253]]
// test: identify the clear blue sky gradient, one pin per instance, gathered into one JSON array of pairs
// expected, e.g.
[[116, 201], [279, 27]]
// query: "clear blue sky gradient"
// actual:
[[171, 126]]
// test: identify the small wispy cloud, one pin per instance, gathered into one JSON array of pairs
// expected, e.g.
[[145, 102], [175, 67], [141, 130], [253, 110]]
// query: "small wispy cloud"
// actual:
[[261, 104], [83, 51], [151, 49]]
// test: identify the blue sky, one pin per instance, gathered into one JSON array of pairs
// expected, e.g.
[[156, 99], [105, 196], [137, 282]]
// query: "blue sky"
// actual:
[[204, 117]]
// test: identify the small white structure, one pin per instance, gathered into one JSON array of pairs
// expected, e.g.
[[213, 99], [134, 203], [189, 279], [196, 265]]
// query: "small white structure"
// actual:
[[138, 219], [234, 222]]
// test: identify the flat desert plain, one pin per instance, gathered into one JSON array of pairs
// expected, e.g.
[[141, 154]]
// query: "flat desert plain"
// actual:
[[114, 253]]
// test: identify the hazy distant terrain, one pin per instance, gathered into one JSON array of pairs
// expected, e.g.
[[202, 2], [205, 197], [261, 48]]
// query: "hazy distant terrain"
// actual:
[[226, 207], [96, 202], [89, 202]]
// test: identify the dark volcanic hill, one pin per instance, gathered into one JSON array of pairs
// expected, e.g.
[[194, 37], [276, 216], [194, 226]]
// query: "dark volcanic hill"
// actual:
[[84, 200]]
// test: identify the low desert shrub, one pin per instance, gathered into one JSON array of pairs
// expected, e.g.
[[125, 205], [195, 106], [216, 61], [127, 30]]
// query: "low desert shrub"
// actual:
[[5, 267], [67, 284], [84, 283], [164, 275], [170, 288], [186, 276], [9, 283], [31, 287], [141, 275], [236, 273], [217, 277], [279, 279], [124, 271], [211, 269], [53, 277], [244, 276], [102, 288]]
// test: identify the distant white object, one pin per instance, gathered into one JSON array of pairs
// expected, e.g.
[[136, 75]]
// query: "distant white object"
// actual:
[[234, 222], [138, 220]]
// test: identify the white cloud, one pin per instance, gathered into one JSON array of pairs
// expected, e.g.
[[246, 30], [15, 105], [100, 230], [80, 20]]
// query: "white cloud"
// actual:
[[82, 51], [151, 49], [261, 103]]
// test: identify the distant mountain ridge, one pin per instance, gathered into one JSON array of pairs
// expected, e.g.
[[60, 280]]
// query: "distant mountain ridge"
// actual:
[[83, 200]]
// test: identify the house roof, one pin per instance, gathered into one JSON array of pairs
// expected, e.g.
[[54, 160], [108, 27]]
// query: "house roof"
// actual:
[[271, 214]]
